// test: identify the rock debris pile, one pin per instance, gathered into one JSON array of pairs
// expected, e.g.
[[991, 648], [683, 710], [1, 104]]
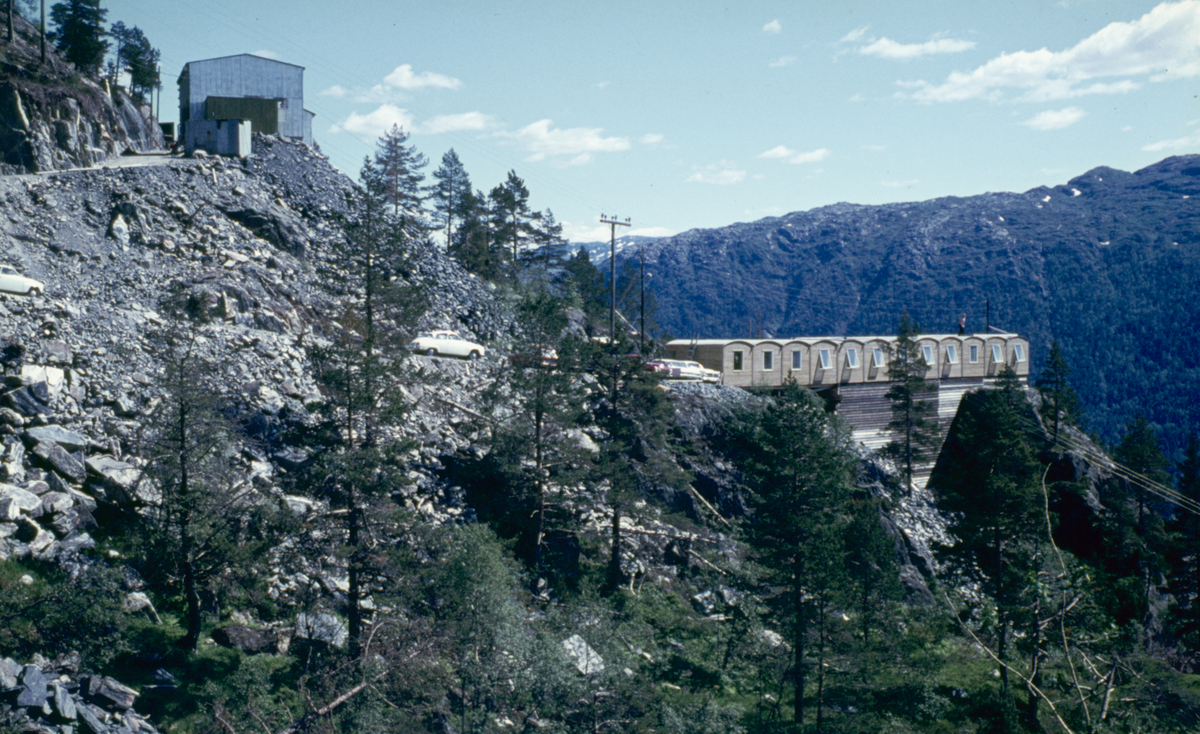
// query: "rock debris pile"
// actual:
[[54, 698], [252, 243]]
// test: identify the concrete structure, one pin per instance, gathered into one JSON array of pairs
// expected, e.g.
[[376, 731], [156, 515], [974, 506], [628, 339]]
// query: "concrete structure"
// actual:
[[269, 94], [852, 373], [219, 137]]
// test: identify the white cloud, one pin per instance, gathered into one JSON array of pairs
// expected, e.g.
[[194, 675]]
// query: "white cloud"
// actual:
[[1055, 119], [1162, 44], [854, 35], [266, 54], [455, 123], [792, 156], [337, 91], [783, 61], [1191, 141], [857, 98], [543, 141], [906, 184], [601, 85], [650, 139], [773, 27], [374, 124], [886, 48], [402, 77], [718, 174]]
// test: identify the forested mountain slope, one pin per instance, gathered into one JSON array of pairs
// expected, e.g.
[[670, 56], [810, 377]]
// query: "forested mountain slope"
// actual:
[[1108, 264]]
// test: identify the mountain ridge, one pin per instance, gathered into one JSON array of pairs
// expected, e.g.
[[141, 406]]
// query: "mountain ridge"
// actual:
[[1099, 260]]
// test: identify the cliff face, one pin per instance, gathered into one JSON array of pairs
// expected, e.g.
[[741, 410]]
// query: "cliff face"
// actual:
[[1108, 264], [53, 119]]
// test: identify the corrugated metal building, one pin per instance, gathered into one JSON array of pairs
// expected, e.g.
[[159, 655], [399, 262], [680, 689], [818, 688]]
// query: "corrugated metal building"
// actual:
[[268, 93]]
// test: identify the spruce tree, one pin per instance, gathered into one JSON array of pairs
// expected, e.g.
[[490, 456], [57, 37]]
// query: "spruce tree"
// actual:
[[79, 33], [450, 194], [1059, 401], [1185, 549], [513, 222], [914, 412], [360, 370], [796, 460], [987, 482], [400, 168], [203, 521]]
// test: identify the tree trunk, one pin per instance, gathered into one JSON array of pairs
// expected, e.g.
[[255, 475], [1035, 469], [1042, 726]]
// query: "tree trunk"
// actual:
[[354, 625], [798, 643]]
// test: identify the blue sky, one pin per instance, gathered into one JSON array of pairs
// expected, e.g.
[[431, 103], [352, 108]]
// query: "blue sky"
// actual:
[[701, 114]]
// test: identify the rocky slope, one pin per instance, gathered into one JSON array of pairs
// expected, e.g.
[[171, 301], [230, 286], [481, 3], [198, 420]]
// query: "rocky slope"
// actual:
[[53, 119], [1108, 264]]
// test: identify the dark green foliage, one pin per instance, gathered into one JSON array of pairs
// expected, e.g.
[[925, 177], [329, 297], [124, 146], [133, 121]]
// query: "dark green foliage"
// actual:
[[1184, 527], [513, 222], [138, 57], [586, 285], [202, 521], [399, 168], [987, 482], [1060, 404], [914, 414], [796, 460], [451, 195], [358, 460], [43, 610], [79, 33], [633, 412], [475, 242]]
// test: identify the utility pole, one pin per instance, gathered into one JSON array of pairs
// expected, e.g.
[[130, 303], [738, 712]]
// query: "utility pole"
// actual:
[[43, 31], [613, 223]]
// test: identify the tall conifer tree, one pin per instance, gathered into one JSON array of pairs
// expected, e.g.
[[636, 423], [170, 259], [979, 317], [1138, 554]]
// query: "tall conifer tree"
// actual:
[[914, 413]]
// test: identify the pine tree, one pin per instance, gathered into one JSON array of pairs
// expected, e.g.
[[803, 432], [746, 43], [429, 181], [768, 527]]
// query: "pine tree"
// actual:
[[1059, 401], [360, 371], [585, 285], [534, 443], [797, 462], [513, 222], [138, 57], [450, 194], [475, 243], [912, 407], [1185, 546], [987, 482], [400, 169], [203, 521], [79, 33]]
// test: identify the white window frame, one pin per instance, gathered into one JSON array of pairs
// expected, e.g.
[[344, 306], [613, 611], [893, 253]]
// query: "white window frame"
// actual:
[[795, 359], [1019, 352], [974, 353], [768, 361], [927, 354], [951, 354], [997, 354], [825, 361], [877, 354], [852, 358]]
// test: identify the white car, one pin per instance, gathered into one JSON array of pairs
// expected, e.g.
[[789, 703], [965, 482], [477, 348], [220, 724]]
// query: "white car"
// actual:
[[13, 282], [683, 370], [445, 344]]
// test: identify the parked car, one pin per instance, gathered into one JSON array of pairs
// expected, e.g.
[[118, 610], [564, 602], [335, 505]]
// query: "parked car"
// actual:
[[13, 282], [684, 370], [445, 344], [536, 357], [659, 366]]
